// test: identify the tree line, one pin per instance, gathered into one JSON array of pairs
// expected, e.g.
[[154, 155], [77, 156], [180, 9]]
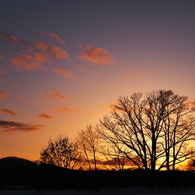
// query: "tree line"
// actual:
[[153, 131]]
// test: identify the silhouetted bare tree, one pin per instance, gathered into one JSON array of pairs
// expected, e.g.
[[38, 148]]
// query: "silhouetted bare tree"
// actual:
[[113, 157], [61, 152], [151, 130], [88, 142]]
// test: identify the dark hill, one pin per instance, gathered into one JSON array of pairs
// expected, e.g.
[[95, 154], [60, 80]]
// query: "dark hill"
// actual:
[[16, 171]]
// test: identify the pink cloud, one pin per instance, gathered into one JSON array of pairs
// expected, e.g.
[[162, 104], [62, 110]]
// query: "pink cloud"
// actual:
[[65, 73], [53, 36], [11, 126], [28, 62], [3, 95], [96, 55], [36, 54], [56, 96], [52, 50], [7, 111], [45, 116]]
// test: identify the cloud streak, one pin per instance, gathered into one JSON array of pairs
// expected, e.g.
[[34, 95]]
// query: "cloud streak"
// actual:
[[11, 126], [64, 109], [95, 55], [56, 96], [10, 112], [3, 95], [45, 116]]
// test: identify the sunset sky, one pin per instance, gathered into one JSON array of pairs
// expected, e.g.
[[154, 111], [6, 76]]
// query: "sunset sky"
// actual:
[[64, 62]]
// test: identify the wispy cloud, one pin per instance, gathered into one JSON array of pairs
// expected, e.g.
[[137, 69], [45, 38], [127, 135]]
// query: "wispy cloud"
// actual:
[[66, 73], [56, 96], [3, 95], [56, 37], [30, 62], [6, 37], [45, 116], [11, 126], [52, 50], [95, 55], [7, 111], [53, 36], [64, 109]]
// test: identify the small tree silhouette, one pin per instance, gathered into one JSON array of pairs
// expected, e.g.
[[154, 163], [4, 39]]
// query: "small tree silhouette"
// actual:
[[88, 141], [61, 152]]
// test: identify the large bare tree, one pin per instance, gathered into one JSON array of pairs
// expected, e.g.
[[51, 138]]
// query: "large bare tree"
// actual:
[[153, 131], [61, 152]]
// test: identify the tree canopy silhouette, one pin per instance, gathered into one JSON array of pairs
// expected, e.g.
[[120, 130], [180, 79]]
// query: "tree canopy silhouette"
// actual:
[[153, 131], [61, 152]]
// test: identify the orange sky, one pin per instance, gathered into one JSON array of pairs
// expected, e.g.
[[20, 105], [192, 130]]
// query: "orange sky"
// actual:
[[63, 62]]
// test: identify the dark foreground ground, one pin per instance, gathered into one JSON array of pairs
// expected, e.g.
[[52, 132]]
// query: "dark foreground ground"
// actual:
[[106, 191], [23, 174]]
